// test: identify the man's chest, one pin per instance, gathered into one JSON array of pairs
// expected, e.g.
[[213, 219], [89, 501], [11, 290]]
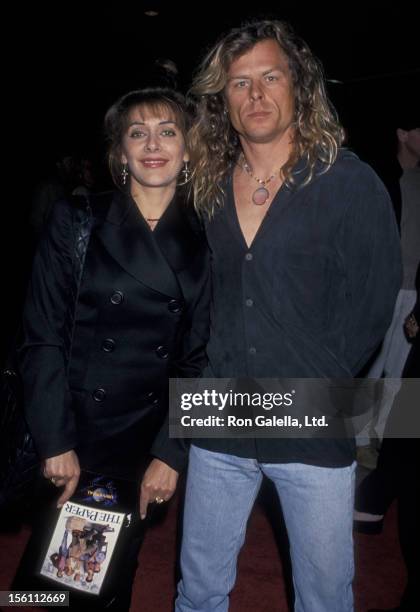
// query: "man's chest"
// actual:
[[250, 216]]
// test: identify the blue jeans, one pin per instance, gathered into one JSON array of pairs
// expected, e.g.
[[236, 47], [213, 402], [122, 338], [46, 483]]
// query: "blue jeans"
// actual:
[[317, 503]]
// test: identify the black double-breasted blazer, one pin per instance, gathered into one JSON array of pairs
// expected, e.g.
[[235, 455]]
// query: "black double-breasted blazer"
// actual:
[[141, 316]]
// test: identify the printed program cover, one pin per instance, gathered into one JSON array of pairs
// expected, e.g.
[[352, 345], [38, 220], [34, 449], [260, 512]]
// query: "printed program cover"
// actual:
[[81, 547]]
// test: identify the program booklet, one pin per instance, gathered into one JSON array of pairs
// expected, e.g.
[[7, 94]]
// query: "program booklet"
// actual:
[[89, 535], [81, 547]]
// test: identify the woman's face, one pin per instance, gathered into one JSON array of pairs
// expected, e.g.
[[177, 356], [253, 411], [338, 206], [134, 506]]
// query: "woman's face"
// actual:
[[153, 147]]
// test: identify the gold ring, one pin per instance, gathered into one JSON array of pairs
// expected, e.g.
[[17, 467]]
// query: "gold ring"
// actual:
[[159, 500]]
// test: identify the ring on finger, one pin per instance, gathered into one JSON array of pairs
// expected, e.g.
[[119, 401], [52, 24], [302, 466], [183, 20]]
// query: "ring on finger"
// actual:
[[159, 500]]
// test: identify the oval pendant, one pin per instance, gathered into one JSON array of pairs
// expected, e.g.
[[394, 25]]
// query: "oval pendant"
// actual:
[[260, 196]]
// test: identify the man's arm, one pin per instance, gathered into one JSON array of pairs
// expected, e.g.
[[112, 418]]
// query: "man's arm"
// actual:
[[369, 244]]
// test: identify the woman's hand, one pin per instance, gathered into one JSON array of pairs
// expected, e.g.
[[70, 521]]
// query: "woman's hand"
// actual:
[[158, 485], [411, 326], [63, 471]]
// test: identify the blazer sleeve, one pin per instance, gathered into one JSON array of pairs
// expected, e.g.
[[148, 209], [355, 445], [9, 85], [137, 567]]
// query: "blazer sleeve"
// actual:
[[190, 364], [47, 398], [370, 249]]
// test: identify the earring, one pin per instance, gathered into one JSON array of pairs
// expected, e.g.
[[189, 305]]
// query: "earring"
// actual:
[[185, 174], [124, 174]]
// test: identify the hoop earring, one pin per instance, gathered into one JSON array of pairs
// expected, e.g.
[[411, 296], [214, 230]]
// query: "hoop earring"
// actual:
[[124, 174], [185, 174]]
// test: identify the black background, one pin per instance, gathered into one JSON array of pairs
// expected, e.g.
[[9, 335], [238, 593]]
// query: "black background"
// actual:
[[78, 57], [68, 61]]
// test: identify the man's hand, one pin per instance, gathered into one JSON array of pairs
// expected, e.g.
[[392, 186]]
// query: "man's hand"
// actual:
[[158, 485], [63, 471]]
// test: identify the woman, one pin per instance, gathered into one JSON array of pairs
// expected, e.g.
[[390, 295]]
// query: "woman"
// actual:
[[140, 313]]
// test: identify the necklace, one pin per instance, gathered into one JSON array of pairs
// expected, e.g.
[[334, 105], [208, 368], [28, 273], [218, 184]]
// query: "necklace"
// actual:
[[148, 219], [260, 195]]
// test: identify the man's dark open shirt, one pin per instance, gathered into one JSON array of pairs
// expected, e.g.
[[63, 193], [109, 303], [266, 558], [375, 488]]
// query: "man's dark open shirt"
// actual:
[[311, 297]]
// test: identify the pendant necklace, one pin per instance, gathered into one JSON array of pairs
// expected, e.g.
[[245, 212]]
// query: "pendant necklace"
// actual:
[[260, 195]]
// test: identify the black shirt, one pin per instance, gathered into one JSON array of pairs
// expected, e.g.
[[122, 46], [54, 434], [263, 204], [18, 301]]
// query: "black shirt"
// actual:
[[311, 297]]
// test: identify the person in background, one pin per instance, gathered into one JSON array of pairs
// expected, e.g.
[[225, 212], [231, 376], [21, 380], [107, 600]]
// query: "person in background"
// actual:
[[395, 348], [85, 182], [397, 475], [57, 186]]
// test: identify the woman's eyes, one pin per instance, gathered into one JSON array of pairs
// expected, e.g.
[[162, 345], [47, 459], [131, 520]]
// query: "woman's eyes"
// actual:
[[141, 134]]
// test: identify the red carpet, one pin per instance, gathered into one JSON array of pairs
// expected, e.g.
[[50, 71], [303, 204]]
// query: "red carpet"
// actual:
[[260, 585]]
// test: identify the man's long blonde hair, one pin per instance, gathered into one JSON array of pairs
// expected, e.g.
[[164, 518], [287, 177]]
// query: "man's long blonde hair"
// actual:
[[215, 145]]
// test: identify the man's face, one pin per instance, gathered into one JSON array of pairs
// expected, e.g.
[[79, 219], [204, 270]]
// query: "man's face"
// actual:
[[259, 93], [412, 141]]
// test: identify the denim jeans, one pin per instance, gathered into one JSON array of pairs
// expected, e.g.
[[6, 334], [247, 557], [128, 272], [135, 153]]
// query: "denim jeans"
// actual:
[[317, 503]]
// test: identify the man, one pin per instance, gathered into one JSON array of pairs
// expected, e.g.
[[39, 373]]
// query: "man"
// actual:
[[305, 271], [395, 348]]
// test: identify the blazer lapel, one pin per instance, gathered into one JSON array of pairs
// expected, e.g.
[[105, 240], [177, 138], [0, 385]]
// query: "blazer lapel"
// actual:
[[127, 237]]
